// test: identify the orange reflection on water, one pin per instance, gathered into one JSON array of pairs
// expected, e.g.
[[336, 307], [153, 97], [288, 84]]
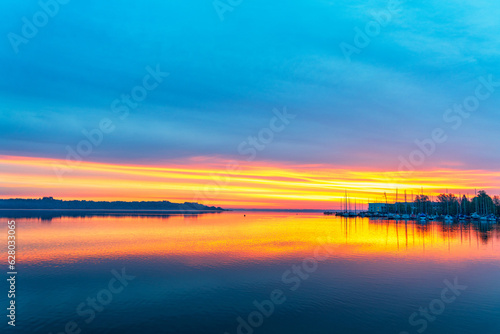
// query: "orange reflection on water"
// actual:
[[215, 239]]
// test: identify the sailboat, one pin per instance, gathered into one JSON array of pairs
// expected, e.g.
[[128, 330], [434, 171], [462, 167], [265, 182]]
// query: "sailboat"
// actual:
[[482, 209], [405, 215], [461, 216], [475, 216], [386, 214], [396, 215], [355, 213], [413, 215], [448, 218], [345, 213], [421, 216]]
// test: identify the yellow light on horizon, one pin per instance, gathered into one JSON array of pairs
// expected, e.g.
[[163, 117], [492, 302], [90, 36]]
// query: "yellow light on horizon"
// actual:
[[257, 184]]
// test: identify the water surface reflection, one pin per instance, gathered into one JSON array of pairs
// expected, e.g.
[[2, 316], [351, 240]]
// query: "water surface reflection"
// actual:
[[198, 273]]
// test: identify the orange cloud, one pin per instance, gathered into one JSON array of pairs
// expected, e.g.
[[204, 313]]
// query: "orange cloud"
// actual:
[[217, 182]]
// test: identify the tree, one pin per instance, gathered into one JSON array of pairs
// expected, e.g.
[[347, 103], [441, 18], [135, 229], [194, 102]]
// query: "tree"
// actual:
[[496, 202], [423, 204], [448, 204], [483, 203], [465, 205]]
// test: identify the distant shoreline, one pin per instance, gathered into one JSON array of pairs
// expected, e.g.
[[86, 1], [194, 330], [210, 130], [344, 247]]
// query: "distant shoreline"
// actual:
[[49, 203], [49, 214]]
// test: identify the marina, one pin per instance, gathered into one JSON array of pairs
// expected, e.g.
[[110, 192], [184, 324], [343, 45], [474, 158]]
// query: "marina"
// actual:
[[448, 208]]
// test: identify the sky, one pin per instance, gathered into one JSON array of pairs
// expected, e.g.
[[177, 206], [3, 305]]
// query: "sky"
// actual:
[[306, 99]]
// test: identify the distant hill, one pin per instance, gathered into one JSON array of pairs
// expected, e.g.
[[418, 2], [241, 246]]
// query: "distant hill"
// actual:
[[49, 203]]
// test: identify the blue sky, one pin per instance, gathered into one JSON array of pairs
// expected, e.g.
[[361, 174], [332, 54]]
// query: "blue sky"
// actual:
[[227, 76]]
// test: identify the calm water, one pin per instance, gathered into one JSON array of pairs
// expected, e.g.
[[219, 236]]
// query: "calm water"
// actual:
[[199, 274]]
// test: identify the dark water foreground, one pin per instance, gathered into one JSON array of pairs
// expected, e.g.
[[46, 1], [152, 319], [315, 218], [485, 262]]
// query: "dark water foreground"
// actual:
[[263, 273]]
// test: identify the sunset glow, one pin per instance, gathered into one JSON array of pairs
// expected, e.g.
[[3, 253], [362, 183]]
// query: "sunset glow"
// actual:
[[248, 185]]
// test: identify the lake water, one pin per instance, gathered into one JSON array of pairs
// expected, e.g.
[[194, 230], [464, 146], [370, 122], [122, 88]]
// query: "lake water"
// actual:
[[263, 273]]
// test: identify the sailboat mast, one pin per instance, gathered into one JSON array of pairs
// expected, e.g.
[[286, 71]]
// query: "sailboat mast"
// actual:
[[346, 201], [406, 206], [412, 202], [476, 199], [396, 204]]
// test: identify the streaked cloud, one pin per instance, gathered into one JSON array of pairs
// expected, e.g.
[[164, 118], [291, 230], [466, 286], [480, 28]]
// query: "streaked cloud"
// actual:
[[207, 179]]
